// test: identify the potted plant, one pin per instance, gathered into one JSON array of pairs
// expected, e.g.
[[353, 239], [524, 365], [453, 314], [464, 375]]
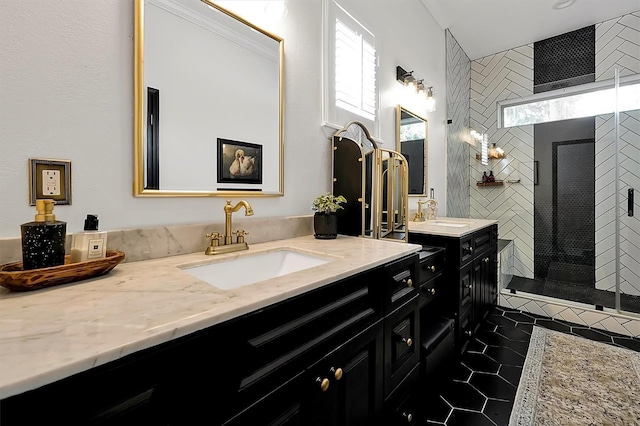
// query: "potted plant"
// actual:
[[325, 221]]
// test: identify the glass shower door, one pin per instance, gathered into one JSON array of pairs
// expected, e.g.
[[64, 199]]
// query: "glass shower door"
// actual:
[[627, 158]]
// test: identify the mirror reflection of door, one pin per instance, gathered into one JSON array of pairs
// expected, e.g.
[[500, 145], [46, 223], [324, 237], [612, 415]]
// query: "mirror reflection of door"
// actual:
[[411, 141]]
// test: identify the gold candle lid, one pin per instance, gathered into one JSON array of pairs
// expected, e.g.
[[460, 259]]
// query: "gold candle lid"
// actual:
[[45, 210]]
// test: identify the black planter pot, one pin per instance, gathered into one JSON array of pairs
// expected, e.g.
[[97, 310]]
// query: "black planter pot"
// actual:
[[325, 226]]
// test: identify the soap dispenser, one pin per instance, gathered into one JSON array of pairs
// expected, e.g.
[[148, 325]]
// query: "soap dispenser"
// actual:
[[90, 244], [43, 239]]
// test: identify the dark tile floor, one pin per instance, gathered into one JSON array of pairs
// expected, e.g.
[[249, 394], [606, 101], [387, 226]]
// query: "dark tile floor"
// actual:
[[481, 387]]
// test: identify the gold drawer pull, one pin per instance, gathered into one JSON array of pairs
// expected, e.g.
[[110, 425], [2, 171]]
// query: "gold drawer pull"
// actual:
[[432, 268], [337, 372], [468, 333], [324, 383], [408, 416], [408, 341], [409, 282], [469, 285], [432, 291]]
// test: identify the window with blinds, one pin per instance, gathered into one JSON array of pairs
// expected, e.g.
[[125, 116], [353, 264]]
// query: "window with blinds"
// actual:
[[355, 68], [350, 64]]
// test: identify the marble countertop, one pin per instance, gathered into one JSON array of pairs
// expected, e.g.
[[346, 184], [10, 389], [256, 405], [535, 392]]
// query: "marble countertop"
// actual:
[[49, 334], [449, 226]]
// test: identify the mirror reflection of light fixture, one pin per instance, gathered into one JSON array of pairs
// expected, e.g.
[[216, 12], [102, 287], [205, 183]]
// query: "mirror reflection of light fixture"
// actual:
[[276, 9], [483, 139], [495, 151]]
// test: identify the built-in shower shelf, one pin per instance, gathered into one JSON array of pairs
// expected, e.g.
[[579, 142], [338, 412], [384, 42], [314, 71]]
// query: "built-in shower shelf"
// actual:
[[496, 183]]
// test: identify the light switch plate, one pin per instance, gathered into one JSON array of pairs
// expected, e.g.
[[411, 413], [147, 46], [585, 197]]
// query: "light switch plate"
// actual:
[[49, 179]]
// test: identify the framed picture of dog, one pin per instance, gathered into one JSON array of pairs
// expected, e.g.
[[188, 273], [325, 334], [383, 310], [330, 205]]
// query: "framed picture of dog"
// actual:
[[239, 162]]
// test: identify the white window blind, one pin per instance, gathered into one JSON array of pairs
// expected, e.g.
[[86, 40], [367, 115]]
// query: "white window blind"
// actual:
[[355, 67]]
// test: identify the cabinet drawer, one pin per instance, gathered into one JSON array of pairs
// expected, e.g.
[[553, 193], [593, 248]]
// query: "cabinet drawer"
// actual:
[[430, 290], [473, 245], [403, 279], [279, 340], [431, 264], [482, 241], [402, 328]]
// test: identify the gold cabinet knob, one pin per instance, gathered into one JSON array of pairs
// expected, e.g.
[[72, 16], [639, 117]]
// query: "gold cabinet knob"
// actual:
[[433, 268], [337, 372], [432, 291], [323, 383], [485, 260], [469, 285], [409, 282], [407, 341], [467, 332], [408, 416]]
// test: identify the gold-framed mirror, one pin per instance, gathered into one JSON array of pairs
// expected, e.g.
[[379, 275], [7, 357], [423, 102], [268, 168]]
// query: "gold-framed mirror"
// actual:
[[412, 143], [208, 95]]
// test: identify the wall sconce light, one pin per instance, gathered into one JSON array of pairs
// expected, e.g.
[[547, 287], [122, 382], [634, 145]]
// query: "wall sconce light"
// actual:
[[431, 100], [407, 78]]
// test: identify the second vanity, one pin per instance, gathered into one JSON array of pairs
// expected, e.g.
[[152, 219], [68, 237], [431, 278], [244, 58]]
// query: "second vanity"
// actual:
[[471, 252], [152, 344]]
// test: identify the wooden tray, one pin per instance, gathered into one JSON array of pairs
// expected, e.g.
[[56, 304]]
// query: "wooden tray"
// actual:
[[14, 278]]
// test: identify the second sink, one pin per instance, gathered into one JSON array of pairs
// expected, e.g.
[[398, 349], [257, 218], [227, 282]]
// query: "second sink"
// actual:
[[252, 268]]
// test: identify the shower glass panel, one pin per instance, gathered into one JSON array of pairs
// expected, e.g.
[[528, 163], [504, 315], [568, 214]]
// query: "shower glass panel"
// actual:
[[627, 157], [586, 233]]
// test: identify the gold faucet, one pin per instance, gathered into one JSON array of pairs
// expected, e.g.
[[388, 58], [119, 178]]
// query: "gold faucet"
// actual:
[[228, 210], [419, 216], [229, 246]]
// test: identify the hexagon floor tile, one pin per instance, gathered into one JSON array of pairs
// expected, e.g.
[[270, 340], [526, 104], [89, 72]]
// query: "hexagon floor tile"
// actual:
[[480, 390]]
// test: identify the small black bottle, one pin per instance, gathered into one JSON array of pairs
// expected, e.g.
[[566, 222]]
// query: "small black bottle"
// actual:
[[485, 178], [492, 178], [43, 239]]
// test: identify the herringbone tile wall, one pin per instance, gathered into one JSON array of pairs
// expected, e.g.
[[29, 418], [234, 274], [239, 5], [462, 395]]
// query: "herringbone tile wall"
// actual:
[[458, 79], [505, 75], [617, 46], [509, 74]]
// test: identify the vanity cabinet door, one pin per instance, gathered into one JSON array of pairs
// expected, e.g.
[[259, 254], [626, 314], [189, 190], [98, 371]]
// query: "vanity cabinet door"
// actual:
[[402, 344], [345, 386]]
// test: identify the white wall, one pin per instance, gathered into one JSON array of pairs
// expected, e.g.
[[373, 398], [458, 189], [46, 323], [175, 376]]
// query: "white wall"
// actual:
[[66, 91]]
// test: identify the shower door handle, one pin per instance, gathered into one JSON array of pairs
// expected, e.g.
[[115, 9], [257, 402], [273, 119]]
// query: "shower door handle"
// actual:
[[630, 202]]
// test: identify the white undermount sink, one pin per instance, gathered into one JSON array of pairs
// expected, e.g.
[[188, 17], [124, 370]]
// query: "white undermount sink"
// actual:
[[250, 268], [449, 223]]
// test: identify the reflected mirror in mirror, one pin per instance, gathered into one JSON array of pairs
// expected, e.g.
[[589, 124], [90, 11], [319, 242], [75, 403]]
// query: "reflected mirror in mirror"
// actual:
[[411, 141], [204, 75]]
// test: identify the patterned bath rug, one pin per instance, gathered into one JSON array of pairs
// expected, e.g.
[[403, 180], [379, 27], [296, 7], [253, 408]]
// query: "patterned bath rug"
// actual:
[[569, 380]]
